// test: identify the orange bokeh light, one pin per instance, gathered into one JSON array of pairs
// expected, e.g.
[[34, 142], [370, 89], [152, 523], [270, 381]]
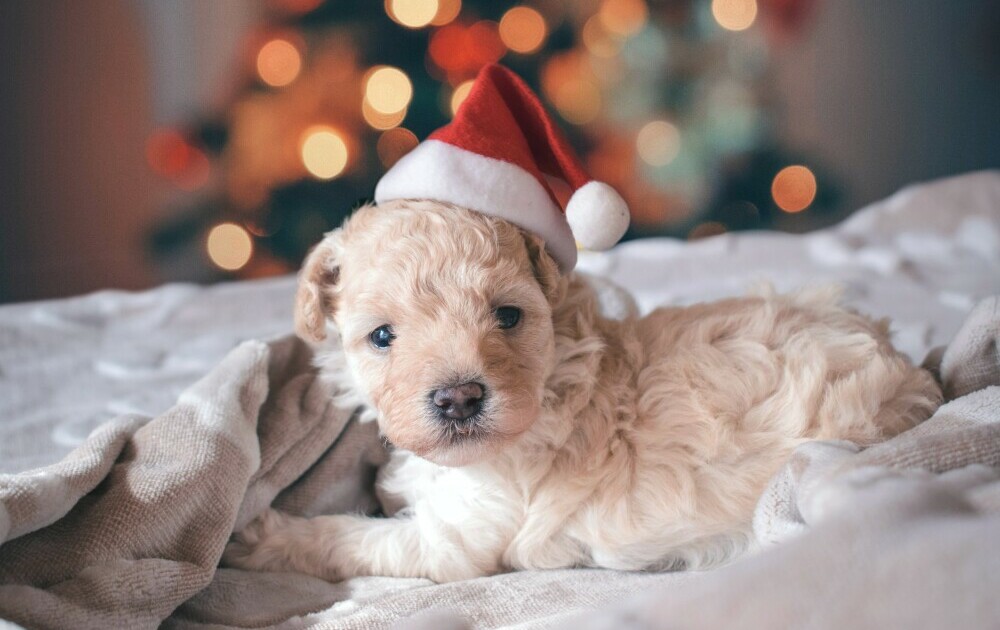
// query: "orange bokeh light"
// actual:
[[380, 120], [522, 29], [734, 15], [598, 41], [412, 13], [394, 144], [568, 81], [578, 100], [324, 152], [388, 90], [229, 246], [447, 11], [794, 188], [658, 143], [462, 50], [170, 155], [459, 95], [278, 62], [623, 17]]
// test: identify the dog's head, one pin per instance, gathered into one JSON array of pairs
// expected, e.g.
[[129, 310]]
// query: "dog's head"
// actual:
[[445, 316]]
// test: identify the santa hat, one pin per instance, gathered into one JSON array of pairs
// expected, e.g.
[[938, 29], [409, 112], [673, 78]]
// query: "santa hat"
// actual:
[[496, 156]]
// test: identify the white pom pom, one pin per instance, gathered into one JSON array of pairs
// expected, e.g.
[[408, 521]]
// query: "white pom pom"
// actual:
[[598, 215]]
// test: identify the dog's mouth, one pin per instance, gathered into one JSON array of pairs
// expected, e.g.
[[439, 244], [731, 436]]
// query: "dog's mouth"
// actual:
[[463, 442], [472, 428]]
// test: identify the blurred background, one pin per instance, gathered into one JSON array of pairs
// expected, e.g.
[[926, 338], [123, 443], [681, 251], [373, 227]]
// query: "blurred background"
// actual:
[[146, 141]]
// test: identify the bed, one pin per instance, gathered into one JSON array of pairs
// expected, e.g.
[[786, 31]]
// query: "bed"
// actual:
[[925, 258]]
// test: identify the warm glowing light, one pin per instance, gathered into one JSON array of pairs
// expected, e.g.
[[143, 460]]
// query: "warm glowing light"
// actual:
[[459, 95], [794, 188], [578, 100], [324, 152], [597, 39], [522, 29], [734, 15], [278, 62], [623, 17], [447, 11], [412, 13], [658, 143], [568, 81], [229, 246], [462, 50], [394, 144], [378, 120], [168, 153], [447, 47], [388, 90]]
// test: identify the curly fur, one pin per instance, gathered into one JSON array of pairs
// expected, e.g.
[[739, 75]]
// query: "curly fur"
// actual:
[[634, 444]]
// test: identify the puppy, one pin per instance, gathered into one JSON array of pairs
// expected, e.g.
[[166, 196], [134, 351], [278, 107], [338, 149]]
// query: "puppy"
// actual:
[[530, 432]]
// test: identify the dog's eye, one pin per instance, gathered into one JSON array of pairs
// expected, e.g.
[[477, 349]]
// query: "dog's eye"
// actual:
[[382, 336], [508, 316]]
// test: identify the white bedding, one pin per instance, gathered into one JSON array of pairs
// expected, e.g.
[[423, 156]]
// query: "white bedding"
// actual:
[[923, 257]]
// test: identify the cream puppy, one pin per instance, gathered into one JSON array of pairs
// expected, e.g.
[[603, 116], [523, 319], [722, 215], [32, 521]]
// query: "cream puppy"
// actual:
[[530, 432]]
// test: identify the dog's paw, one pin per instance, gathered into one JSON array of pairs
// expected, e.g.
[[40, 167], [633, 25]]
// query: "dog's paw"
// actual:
[[261, 546]]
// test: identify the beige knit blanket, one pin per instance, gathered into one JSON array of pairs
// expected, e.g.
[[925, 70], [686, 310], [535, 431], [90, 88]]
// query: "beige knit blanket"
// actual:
[[127, 531]]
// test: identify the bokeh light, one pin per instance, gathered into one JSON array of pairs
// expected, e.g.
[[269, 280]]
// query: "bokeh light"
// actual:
[[459, 95], [623, 17], [229, 246], [578, 100], [734, 15], [168, 152], [569, 83], [324, 152], [794, 188], [462, 50], [447, 11], [278, 62], [378, 120], [658, 143], [522, 29], [388, 90], [394, 144], [597, 39], [170, 155], [412, 13]]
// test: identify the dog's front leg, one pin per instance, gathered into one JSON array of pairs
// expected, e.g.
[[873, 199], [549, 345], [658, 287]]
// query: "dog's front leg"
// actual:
[[342, 546]]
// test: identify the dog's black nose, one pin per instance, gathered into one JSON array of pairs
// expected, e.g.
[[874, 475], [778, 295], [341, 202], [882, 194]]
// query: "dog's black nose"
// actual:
[[460, 402]]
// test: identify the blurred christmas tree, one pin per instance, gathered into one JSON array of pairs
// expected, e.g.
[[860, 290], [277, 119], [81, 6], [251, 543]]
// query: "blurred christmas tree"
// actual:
[[666, 100]]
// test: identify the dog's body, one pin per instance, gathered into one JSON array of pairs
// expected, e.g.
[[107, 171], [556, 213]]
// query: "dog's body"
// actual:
[[633, 444]]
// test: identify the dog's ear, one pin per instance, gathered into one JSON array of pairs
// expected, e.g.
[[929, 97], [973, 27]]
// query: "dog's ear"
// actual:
[[545, 268], [314, 300]]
